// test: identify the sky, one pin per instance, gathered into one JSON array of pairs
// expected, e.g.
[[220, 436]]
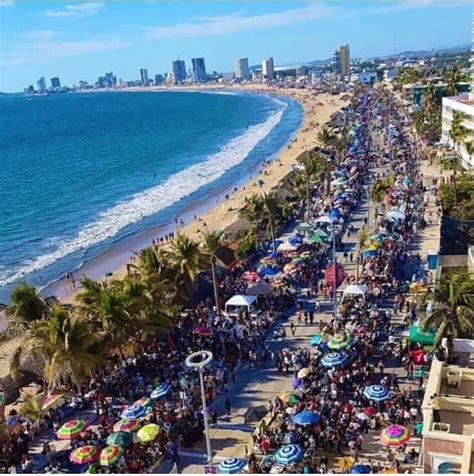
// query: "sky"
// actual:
[[82, 40]]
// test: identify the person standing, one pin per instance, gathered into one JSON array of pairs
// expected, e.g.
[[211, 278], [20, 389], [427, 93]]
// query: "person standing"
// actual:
[[227, 406]]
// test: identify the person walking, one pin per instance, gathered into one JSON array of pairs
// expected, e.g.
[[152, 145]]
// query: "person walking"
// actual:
[[227, 406]]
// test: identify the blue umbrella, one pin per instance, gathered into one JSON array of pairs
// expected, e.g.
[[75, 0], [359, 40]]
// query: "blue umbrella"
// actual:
[[268, 271], [333, 359], [361, 469], [288, 454], [132, 412], [296, 240], [377, 393], [296, 382], [316, 339], [162, 390], [305, 418], [334, 214], [231, 465], [370, 253]]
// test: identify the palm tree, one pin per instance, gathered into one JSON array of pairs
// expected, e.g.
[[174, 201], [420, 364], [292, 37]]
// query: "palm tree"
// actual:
[[254, 211], [312, 166], [272, 211], [325, 136], [454, 307], [31, 409], [469, 145], [212, 242], [458, 134], [26, 307], [186, 258], [453, 76], [361, 244], [72, 351]]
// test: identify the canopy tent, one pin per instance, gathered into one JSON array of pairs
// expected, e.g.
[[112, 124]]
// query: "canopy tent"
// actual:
[[240, 301], [323, 219], [355, 289], [287, 246], [416, 334], [260, 289], [395, 214]]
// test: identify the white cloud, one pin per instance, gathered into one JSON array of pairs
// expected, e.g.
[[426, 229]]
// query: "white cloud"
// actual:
[[49, 49], [6, 3], [228, 24], [80, 10]]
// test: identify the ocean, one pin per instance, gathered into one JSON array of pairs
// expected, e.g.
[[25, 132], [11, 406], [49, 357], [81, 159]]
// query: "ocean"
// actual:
[[83, 173]]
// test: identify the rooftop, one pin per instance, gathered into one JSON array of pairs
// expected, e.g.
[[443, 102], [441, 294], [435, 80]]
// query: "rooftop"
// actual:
[[467, 99]]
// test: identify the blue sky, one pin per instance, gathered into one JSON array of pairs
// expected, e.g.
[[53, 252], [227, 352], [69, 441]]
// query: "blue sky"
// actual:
[[78, 40]]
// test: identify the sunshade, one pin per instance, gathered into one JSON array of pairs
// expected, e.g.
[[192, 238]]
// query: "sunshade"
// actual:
[[395, 435], [416, 334], [110, 455], [143, 402], [304, 227], [162, 390], [315, 340], [84, 454], [72, 429], [127, 425], [377, 393], [133, 412], [360, 469], [333, 359], [231, 465], [304, 372], [121, 438], [148, 433], [290, 398], [288, 454], [306, 418], [339, 341], [51, 401]]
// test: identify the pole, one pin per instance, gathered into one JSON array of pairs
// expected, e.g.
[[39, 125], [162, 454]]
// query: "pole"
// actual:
[[206, 424], [334, 277]]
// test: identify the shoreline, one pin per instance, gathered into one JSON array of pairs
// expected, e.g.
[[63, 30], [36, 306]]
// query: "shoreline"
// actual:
[[316, 111]]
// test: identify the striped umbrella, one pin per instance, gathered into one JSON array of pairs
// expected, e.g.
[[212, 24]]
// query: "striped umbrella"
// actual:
[[110, 455], [290, 398], [395, 435], [315, 340], [72, 429], [127, 425], [339, 341], [333, 359], [143, 402], [84, 454], [50, 401], [162, 390], [148, 433], [377, 393], [288, 454], [231, 465], [306, 418], [133, 412], [121, 438]]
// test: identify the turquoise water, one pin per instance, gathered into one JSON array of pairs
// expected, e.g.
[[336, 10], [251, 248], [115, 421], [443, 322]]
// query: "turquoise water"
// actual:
[[83, 172]]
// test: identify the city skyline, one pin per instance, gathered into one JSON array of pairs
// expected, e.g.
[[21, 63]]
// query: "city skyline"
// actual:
[[48, 39]]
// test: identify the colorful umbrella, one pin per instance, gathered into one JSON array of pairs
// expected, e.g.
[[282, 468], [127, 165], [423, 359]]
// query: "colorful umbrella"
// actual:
[[121, 438], [290, 398], [133, 412], [148, 433], [162, 390], [333, 359], [315, 340], [143, 402], [296, 382], [110, 455], [344, 463], [304, 372], [231, 465], [306, 418], [370, 411], [362, 416], [395, 435], [339, 341], [72, 429], [50, 401], [377, 393], [315, 239], [361, 469], [127, 425], [288, 454], [84, 454], [202, 331]]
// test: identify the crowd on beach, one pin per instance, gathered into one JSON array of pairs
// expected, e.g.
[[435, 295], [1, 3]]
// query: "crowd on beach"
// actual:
[[148, 407]]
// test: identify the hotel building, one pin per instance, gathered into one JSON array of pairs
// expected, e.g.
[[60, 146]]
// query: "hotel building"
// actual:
[[242, 70], [268, 70], [199, 70]]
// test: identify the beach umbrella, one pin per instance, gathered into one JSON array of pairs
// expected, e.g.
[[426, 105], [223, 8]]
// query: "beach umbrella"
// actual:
[[143, 402], [362, 416], [127, 425], [202, 330], [315, 340], [304, 227], [290, 398], [376, 393], [369, 253], [295, 240], [162, 390], [110, 455], [290, 411], [333, 359], [121, 438], [315, 239], [339, 341], [395, 435], [84, 454], [304, 372], [288, 454], [231, 465], [267, 260], [133, 412], [361, 469], [296, 382], [51, 401], [329, 274], [268, 271], [306, 418], [344, 463], [395, 214], [287, 246], [148, 433], [72, 429]]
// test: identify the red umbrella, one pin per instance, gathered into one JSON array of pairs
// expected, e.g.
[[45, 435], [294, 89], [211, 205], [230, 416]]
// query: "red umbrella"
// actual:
[[370, 411], [347, 408], [329, 275]]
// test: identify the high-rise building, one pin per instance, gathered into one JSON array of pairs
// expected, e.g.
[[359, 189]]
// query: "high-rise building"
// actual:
[[144, 76], [242, 70], [41, 85], [178, 70], [268, 70], [199, 70], [55, 83], [342, 60], [159, 79]]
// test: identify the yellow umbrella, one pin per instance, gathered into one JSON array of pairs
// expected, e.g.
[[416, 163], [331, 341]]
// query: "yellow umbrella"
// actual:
[[304, 372], [345, 463], [148, 433]]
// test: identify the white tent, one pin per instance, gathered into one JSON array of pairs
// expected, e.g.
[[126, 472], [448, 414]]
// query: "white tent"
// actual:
[[240, 301], [323, 219], [355, 289], [395, 214], [287, 246]]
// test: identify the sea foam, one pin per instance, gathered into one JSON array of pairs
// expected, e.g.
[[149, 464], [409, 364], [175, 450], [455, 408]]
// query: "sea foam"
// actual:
[[154, 199]]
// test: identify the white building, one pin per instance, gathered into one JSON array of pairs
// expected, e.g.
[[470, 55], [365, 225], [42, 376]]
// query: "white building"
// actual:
[[464, 103], [367, 77], [242, 70], [268, 69]]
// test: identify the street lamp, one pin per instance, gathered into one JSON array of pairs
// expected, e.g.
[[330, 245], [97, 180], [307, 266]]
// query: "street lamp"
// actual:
[[198, 360]]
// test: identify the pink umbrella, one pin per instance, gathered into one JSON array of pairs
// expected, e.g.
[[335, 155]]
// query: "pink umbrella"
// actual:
[[202, 331]]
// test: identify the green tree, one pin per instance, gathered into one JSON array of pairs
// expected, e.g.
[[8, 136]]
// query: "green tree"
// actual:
[[313, 165], [453, 307], [325, 136], [272, 211], [453, 76], [254, 211], [458, 134], [212, 242], [31, 409], [361, 244]]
